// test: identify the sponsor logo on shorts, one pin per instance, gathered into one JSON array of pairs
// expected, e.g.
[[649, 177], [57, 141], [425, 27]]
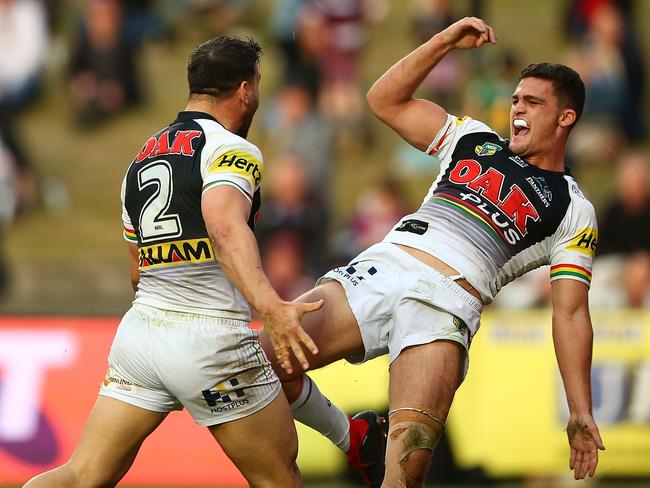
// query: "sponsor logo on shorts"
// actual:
[[112, 379], [239, 162], [225, 396], [460, 325], [487, 149], [353, 275]]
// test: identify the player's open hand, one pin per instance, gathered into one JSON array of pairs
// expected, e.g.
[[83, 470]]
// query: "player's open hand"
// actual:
[[282, 326], [468, 33], [584, 441]]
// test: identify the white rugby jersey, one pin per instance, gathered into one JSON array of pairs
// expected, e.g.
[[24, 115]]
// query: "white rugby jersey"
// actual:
[[161, 210], [493, 217]]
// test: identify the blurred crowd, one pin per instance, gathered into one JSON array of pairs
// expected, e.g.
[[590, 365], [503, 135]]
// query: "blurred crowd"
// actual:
[[316, 117]]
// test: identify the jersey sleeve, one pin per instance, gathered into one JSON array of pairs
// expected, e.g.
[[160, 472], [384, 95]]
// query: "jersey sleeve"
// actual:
[[236, 163], [443, 144], [128, 231], [574, 248]]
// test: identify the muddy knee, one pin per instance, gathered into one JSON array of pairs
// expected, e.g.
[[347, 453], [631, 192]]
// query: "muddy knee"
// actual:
[[408, 456]]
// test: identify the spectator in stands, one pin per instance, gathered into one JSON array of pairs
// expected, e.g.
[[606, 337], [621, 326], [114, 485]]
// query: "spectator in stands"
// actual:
[[291, 208], [23, 44], [7, 208], [344, 28], [294, 126], [625, 228], [444, 83], [142, 21], [377, 209], [300, 38], [487, 96], [284, 265], [609, 60], [103, 70]]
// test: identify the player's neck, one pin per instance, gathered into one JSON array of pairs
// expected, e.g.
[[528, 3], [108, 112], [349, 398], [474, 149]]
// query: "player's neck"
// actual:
[[550, 160], [547, 163], [224, 111]]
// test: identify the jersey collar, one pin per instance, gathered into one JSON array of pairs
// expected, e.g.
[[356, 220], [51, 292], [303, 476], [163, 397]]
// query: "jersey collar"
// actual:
[[191, 115]]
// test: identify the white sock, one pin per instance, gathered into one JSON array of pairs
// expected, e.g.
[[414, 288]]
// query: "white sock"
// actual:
[[314, 410]]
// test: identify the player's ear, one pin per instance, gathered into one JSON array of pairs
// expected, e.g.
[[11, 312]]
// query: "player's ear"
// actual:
[[242, 91], [567, 118]]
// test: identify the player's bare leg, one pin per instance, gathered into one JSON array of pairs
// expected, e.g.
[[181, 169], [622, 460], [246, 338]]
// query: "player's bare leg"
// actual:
[[263, 446], [423, 381], [333, 329], [108, 445]]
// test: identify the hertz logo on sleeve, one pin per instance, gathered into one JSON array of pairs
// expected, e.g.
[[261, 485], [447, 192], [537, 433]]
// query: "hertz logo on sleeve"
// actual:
[[241, 163], [177, 252], [585, 242]]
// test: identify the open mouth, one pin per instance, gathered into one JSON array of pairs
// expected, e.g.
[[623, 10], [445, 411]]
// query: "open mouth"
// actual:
[[520, 127]]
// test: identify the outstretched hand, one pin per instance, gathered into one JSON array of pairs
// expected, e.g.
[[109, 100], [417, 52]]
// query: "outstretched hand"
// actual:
[[282, 326], [584, 441], [468, 33]]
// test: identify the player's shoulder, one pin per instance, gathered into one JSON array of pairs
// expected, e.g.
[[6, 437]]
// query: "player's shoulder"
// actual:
[[220, 139], [578, 198], [477, 134], [469, 125], [456, 132], [581, 212]]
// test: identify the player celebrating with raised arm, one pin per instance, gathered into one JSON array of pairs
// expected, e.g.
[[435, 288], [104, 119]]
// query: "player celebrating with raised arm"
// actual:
[[498, 209], [190, 202]]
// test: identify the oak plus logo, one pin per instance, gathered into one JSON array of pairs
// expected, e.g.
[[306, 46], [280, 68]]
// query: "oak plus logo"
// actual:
[[514, 209], [25, 359]]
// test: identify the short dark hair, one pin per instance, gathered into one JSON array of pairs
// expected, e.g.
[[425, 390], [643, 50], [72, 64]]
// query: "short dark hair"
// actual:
[[568, 86], [218, 66]]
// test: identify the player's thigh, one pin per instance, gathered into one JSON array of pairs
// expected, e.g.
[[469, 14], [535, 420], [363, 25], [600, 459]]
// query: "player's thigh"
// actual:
[[263, 445], [111, 439], [333, 328], [423, 380], [426, 376]]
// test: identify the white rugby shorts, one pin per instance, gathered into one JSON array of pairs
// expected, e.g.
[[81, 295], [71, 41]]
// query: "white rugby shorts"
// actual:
[[399, 301], [163, 361]]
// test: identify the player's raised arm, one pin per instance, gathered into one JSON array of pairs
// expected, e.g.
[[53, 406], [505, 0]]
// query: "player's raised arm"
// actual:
[[573, 339], [391, 97]]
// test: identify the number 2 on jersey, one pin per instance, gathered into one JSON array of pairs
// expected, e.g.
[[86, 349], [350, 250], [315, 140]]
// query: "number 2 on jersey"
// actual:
[[155, 222]]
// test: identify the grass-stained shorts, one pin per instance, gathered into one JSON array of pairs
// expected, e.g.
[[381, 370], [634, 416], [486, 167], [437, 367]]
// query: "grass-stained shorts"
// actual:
[[400, 301], [163, 361]]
